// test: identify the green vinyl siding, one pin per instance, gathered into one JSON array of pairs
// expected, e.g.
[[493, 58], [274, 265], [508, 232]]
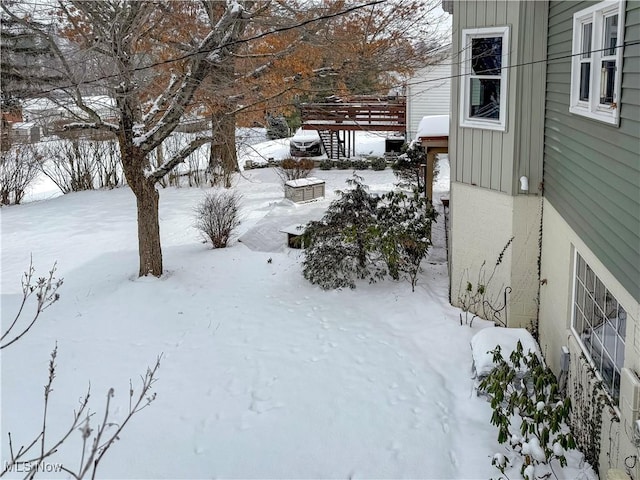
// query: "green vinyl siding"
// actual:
[[592, 169]]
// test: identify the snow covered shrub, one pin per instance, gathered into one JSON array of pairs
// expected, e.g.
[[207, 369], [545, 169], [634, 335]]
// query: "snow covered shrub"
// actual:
[[326, 164], [343, 246], [217, 216], [343, 164], [404, 226], [70, 165], [529, 412], [378, 163], [19, 167], [277, 127], [364, 236], [408, 166], [359, 164], [294, 169]]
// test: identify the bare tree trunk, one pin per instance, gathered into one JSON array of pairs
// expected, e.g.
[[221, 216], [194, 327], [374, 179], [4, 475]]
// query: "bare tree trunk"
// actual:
[[215, 164], [228, 154], [147, 202], [149, 247], [223, 161]]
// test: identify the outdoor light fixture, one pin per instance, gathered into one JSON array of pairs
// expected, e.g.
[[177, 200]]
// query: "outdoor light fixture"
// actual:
[[524, 184]]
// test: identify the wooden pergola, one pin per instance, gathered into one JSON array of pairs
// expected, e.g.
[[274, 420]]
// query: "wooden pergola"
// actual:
[[433, 134]]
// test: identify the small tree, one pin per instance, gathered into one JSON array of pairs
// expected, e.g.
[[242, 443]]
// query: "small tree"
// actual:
[[404, 224], [408, 166], [277, 127], [217, 216], [342, 247]]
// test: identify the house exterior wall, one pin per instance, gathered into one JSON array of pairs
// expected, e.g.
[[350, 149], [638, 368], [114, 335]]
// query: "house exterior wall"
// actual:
[[428, 93], [487, 204], [556, 295], [592, 169], [495, 159], [591, 206], [483, 223]]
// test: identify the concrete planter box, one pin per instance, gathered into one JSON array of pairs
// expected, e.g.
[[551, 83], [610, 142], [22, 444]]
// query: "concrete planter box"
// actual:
[[304, 189]]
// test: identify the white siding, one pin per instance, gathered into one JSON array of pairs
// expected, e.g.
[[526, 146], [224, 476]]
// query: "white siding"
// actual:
[[428, 93]]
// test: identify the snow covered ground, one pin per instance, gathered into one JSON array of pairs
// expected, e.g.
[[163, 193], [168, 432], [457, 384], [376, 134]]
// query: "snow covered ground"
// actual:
[[263, 375]]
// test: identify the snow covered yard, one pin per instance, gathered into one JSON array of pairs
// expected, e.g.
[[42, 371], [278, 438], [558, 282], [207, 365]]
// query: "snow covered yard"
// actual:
[[263, 375]]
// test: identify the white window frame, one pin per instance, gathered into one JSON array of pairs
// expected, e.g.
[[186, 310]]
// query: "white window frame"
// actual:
[[596, 15], [584, 301], [469, 34]]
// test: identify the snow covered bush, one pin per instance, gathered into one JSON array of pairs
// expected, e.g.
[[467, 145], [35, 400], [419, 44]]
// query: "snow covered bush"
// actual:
[[326, 164], [378, 163], [217, 216], [408, 166], [344, 164], [404, 226], [78, 164], [343, 246], [19, 167], [529, 412], [363, 236], [359, 164], [277, 127]]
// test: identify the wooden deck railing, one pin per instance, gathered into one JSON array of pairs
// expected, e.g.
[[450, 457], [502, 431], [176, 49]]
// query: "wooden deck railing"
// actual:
[[384, 115]]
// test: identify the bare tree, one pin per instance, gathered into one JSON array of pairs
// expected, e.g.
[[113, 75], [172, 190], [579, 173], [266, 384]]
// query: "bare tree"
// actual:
[[125, 48], [122, 33]]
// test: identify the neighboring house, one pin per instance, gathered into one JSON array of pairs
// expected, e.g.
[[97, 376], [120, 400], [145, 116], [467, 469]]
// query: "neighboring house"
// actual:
[[48, 114], [428, 93], [544, 147]]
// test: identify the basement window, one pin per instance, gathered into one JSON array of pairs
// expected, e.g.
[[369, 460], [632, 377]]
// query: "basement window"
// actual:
[[599, 323], [483, 89], [596, 61]]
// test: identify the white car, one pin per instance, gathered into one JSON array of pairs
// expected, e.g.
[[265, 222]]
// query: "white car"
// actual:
[[305, 143]]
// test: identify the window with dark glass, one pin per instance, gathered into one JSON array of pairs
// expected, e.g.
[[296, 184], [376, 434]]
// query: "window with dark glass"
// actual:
[[485, 78]]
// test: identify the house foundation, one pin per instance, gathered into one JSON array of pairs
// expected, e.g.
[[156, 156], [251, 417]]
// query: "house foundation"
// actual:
[[559, 246], [483, 222]]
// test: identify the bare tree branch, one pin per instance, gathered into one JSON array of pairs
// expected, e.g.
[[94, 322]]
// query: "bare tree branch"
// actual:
[[178, 157], [46, 292]]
